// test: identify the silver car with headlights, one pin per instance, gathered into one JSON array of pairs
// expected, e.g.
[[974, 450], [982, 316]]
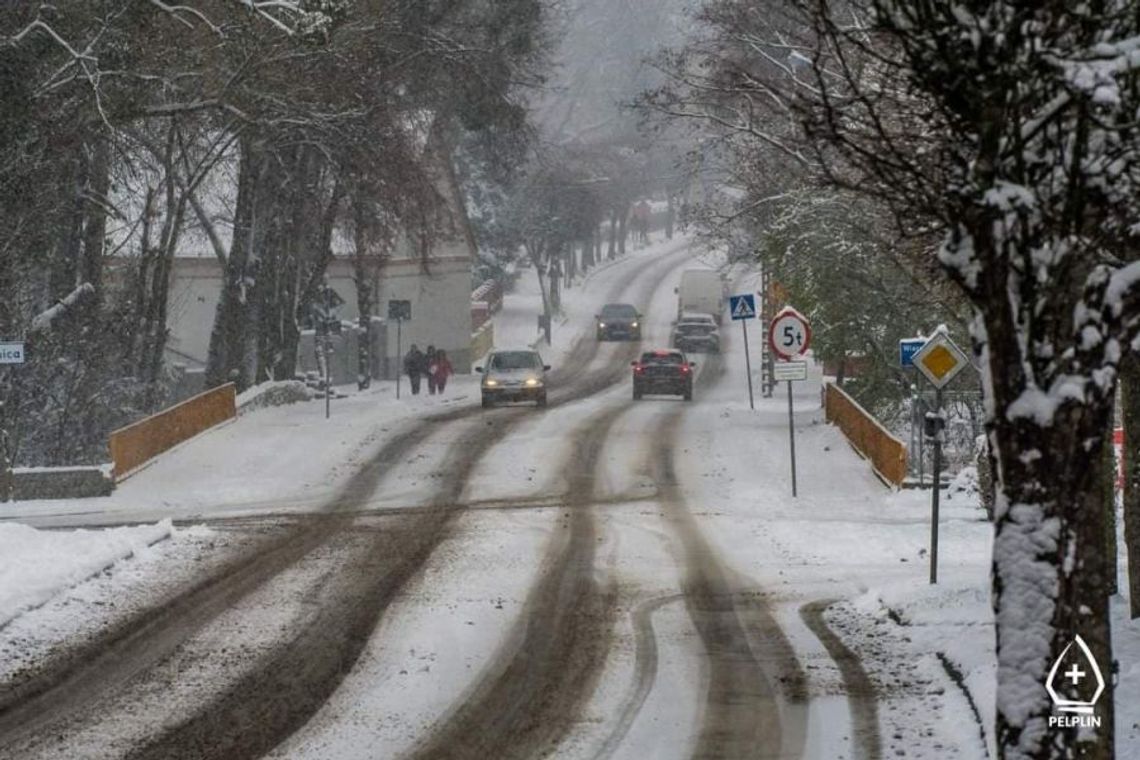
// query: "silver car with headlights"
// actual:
[[514, 375]]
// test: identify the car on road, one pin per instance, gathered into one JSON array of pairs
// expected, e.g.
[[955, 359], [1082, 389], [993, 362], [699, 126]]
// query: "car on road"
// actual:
[[513, 375], [664, 371], [696, 333], [618, 321]]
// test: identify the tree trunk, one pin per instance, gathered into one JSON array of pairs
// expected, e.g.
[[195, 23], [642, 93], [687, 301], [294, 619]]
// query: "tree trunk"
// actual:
[[65, 258], [95, 220], [226, 361], [364, 296], [623, 231], [1049, 571], [612, 249], [326, 210], [1108, 497], [1130, 403]]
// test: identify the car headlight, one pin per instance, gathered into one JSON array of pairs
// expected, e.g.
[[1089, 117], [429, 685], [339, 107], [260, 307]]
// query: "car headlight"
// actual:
[[633, 324], [601, 325], [490, 383], [533, 381]]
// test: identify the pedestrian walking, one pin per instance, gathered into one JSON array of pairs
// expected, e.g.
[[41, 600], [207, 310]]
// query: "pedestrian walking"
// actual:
[[443, 370], [429, 365], [415, 367]]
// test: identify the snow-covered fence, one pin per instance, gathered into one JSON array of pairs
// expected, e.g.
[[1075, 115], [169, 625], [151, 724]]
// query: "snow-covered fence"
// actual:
[[61, 482], [886, 453], [138, 443]]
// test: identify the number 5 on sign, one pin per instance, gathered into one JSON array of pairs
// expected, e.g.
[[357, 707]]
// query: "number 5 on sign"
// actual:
[[789, 335]]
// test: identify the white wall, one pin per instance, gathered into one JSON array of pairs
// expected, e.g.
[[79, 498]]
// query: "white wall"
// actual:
[[441, 305]]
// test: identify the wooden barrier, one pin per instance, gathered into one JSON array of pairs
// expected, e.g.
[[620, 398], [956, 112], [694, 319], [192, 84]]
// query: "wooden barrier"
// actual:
[[886, 453], [139, 442]]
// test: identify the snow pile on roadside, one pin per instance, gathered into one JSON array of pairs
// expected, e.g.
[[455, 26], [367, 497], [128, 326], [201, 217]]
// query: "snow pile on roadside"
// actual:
[[35, 565], [277, 393]]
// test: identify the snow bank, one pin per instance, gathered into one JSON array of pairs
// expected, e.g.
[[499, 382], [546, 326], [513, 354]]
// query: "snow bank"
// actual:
[[277, 393], [35, 565]]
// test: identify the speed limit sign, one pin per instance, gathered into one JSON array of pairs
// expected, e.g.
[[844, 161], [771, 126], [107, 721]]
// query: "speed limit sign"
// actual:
[[789, 335]]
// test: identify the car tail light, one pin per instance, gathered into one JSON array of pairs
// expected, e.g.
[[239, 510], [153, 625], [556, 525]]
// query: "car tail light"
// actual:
[[639, 368], [684, 368]]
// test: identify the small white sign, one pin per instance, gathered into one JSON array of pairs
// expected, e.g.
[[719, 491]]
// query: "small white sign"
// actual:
[[11, 352], [789, 371]]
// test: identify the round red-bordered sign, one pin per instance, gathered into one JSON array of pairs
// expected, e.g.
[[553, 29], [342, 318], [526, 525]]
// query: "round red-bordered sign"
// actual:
[[789, 334]]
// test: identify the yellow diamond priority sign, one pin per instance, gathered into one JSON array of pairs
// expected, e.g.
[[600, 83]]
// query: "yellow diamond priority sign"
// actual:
[[940, 360]]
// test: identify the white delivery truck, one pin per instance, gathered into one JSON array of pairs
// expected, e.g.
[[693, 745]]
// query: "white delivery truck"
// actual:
[[701, 290]]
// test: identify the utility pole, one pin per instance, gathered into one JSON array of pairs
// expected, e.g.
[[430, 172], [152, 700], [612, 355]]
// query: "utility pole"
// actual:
[[328, 345], [767, 384]]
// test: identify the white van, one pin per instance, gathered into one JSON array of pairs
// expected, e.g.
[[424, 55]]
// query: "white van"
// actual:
[[701, 290]]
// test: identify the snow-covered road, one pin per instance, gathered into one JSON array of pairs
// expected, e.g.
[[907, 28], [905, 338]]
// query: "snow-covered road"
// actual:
[[601, 579]]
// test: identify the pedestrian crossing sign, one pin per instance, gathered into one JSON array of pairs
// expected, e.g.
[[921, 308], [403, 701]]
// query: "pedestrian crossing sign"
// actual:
[[742, 306]]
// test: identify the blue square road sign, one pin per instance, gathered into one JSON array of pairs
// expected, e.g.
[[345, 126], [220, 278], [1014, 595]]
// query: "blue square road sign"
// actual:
[[742, 306]]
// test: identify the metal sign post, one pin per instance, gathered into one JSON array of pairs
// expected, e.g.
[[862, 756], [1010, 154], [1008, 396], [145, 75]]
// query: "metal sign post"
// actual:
[[399, 310], [328, 377], [790, 372], [399, 353], [938, 423], [939, 361], [11, 353], [329, 293], [743, 308], [789, 336]]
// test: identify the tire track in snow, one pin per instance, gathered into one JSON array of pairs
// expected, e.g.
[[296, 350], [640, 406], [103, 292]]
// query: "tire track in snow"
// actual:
[[644, 672], [861, 692], [533, 693], [743, 706], [249, 710]]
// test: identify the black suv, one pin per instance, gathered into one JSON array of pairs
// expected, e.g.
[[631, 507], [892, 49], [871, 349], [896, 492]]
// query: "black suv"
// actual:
[[618, 321], [663, 371]]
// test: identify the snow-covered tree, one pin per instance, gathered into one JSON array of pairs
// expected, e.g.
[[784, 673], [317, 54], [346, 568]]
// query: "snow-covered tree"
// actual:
[[1013, 126]]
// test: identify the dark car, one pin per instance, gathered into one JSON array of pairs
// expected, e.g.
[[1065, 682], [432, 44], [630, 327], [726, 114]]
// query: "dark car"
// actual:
[[696, 336], [663, 371], [513, 376], [618, 321]]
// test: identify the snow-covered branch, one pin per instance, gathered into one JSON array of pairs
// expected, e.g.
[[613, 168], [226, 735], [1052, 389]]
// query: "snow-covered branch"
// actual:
[[42, 322]]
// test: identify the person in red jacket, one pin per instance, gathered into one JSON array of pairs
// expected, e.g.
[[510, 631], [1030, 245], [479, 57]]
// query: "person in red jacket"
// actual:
[[443, 370]]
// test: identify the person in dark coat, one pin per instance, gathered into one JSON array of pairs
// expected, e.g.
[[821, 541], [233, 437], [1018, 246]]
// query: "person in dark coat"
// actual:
[[415, 367], [443, 370], [429, 369]]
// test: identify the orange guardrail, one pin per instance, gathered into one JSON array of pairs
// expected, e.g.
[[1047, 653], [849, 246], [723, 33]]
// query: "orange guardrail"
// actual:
[[886, 453], [139, 442]]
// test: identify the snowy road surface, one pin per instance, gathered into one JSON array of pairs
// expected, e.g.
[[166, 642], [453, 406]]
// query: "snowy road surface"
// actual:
[[427, 579]]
